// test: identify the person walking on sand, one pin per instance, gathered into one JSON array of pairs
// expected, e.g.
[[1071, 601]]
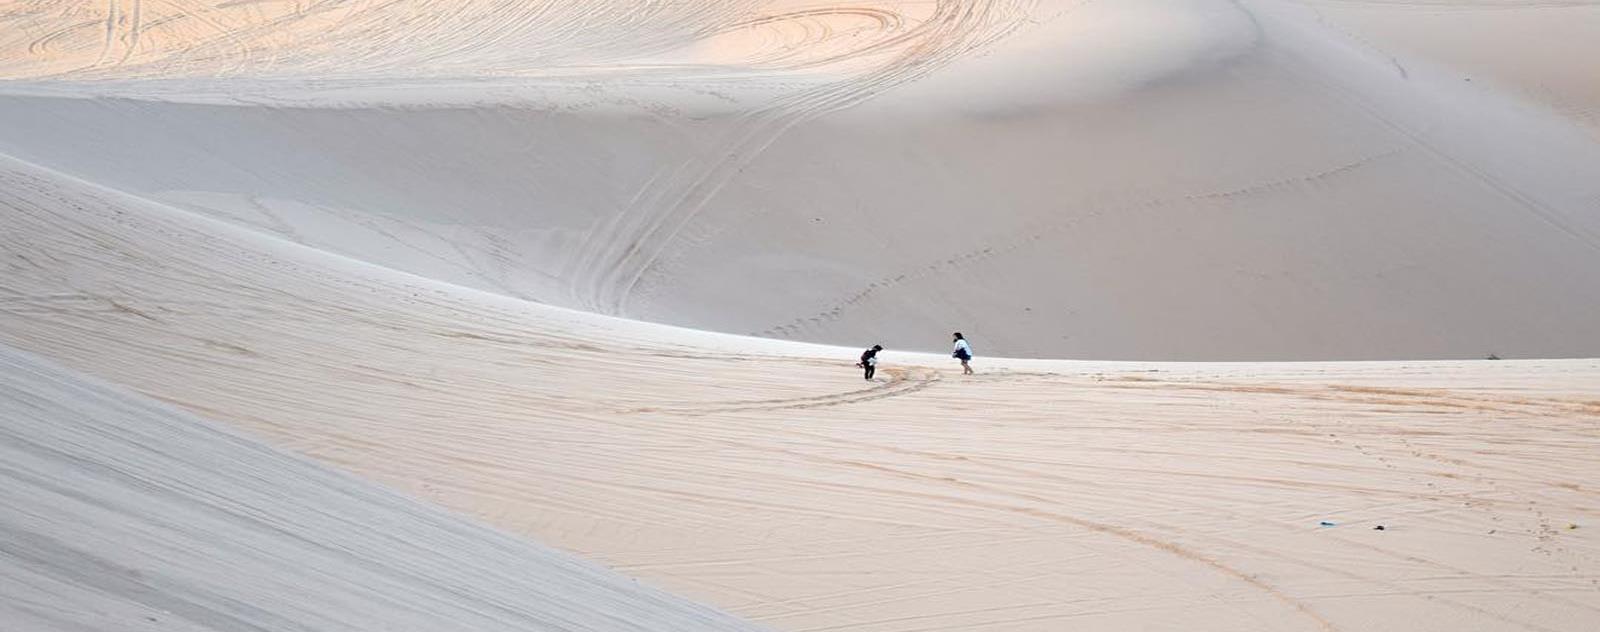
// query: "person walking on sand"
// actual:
[[869, 360], [963, 353]]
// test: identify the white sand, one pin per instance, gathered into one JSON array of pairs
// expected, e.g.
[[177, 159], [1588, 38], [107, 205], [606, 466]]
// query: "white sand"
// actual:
[[320, 223], [1521, 47], [1144, 179], [125, 514], [766, 478]]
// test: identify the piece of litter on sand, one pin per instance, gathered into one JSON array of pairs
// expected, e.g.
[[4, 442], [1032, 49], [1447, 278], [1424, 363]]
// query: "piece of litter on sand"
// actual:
[[1572, 525], [1325, 523], [1379, 528]]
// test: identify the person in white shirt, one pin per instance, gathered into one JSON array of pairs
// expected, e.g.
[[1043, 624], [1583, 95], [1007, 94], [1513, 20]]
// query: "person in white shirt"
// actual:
[[963, 353]]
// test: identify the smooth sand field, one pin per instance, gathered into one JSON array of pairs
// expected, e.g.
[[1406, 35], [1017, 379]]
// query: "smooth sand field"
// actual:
[[261, 261]]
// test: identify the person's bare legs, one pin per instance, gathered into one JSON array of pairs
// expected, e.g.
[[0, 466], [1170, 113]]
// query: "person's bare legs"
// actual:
[[966, 369]]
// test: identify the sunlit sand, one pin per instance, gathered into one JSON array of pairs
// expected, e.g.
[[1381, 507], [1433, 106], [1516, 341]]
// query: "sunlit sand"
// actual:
[[499, 315]]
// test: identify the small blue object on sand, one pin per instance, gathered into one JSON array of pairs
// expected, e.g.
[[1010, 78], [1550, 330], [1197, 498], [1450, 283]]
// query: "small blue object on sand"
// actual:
[[1326, 523]]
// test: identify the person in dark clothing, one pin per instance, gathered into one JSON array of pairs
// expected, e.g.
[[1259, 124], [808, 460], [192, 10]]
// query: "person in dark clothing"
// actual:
[[869, 360]]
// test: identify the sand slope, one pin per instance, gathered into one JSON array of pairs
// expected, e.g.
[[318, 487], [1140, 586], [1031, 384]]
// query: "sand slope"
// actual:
[[1521, 47], [126, 514], [1151, 179], [767, 478]]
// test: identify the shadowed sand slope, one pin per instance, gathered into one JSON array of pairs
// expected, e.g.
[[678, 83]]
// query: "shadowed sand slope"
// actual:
[[122, 513], [765, 477], [1150, 179]]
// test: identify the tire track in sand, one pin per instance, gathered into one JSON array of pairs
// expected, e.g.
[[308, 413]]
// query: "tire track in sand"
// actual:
[[1034, 507], [614, 257], [901, 382]]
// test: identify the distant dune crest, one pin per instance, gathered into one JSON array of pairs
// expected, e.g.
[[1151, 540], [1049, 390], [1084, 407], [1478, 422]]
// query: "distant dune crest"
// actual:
[[62, 39], [1149, 179]]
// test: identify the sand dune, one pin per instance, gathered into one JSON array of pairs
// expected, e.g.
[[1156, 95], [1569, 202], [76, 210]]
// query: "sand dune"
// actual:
[[765, 477], [395, 239], [122, 514], [1139, 180], [1522, 47], [58, 39]]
